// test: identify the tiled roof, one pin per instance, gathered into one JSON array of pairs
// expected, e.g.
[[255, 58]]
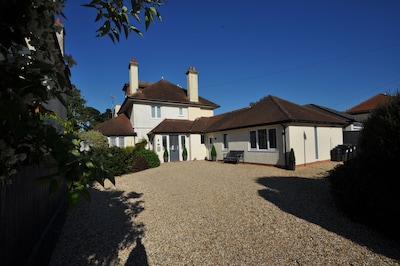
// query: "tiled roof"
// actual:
[[269, 110], [165, 91], [117, 126], [368, 105], [181, 126], [345, 116]]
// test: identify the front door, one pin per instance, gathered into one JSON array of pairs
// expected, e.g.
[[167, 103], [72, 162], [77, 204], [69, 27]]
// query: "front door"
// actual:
[[173, 148]]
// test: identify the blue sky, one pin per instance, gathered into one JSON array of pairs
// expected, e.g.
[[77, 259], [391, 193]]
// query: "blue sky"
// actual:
[[332, 53]]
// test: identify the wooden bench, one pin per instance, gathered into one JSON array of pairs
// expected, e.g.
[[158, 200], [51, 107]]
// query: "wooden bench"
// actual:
[[234, 157]]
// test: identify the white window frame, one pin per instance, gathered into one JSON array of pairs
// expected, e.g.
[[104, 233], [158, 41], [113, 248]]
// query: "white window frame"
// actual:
[[155, 111], [115, 141], [268, 132]]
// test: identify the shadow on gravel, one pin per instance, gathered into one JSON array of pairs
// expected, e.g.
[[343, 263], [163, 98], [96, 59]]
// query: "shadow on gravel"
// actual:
[[309, 199], [94, 233]]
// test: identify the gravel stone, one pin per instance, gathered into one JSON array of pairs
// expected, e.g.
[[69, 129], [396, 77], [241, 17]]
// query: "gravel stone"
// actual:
[[211, 213]]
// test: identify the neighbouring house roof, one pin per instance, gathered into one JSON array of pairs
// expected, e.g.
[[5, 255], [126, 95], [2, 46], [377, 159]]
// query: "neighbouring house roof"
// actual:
[[163, 91], [369, 104], [342, 115], [269, 110], [117, 126]]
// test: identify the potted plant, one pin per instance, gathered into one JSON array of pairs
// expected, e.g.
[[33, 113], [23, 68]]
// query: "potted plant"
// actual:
[[292, 160], [213, 153], [166, 155], [184, 153]]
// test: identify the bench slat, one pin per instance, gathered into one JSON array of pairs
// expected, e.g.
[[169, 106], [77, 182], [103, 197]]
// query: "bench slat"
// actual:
[[234, 156]]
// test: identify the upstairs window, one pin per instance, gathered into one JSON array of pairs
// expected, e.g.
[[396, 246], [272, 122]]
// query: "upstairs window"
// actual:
[[155, 111]]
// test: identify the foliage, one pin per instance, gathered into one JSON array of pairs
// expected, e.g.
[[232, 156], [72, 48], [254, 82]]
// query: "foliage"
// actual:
[[117, 161], [96, 138], [84, 117], [120, 161], [366, 187], [33, 75], [141, 144], [166, 154], [184, 153], [116, 15], [150, 156], [292, 157], [213, 151], [139, 164]]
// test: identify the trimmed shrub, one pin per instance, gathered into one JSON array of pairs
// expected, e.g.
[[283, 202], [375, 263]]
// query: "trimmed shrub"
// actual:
[[150, 156], [116, 160], [139, 164], [366, 187]]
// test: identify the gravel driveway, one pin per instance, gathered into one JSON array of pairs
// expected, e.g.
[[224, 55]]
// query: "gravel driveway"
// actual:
[[211, 213]]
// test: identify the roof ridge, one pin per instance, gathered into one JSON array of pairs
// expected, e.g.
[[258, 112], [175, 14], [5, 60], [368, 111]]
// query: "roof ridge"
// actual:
[[273, 98]]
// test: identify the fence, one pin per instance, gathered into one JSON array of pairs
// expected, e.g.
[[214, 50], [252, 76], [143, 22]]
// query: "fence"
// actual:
[[26, 210], [351, 137]]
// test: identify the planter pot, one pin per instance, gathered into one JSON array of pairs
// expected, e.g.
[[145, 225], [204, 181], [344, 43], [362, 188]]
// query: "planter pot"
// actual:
[[165, 159], [185, 158], [292, 166], [214, 158]]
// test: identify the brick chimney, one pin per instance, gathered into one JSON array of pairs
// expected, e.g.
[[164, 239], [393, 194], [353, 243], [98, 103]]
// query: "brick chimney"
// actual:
[[192, 79], [133, 77]]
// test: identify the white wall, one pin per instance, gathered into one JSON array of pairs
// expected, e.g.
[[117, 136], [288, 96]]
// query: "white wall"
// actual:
[[309, 143], [239, 139], [196, 112], [143, 123], [312, 146], [196, 150]]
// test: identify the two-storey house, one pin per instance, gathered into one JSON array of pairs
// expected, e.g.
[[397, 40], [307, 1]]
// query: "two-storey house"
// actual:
[[147, 104]]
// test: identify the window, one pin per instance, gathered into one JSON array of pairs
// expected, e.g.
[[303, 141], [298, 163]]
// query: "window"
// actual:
[[164, 141], [155, 111], [263, 139], [202, 138], [183, 141], [113, 141], [253, 140], [272, 138], [225, 141], [121, 142], [180, 111], [117, 142]]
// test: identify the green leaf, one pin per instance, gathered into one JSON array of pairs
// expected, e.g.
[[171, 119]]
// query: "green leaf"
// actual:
[[76, 153], [90, 164], [72, 199]]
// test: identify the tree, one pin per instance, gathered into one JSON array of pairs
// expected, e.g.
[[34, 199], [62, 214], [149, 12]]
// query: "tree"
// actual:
[[116, 15], [366, 187], [96, 139], [33, 73]]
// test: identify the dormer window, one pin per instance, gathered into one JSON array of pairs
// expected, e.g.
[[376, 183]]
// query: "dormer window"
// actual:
[[155, 111]]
